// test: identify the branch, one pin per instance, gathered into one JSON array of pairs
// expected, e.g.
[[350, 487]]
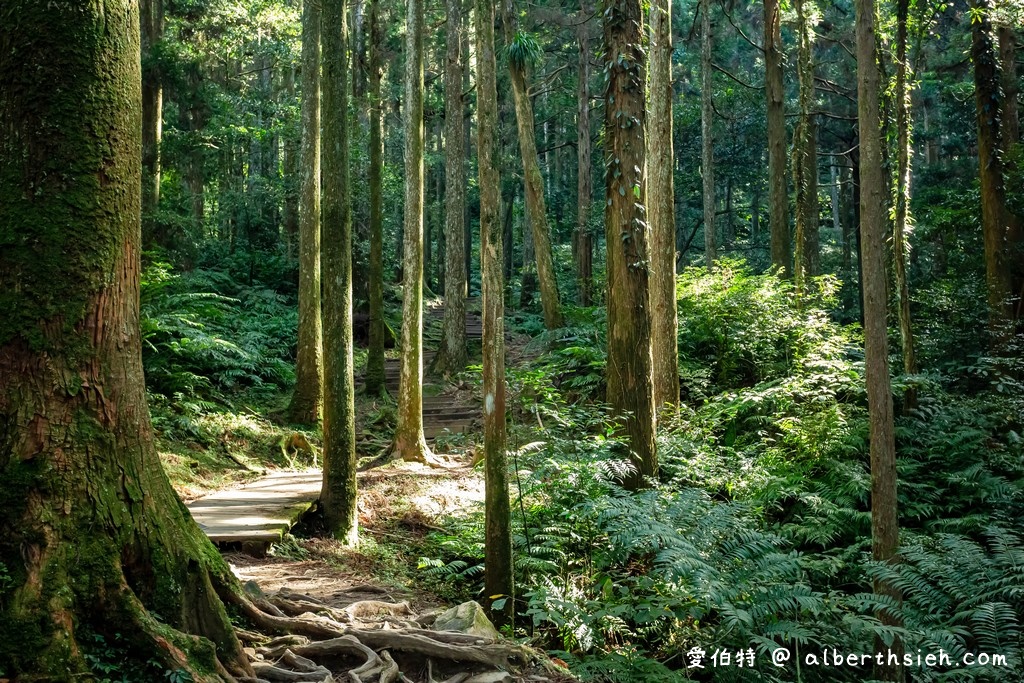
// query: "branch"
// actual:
[[736, 78], [728, 16]]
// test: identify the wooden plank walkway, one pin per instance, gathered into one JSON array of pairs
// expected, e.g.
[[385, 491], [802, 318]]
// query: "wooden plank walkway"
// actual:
[[259, 512]]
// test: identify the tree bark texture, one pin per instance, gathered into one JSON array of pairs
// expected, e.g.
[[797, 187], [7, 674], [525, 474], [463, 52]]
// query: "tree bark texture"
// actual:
[[805, 158], [630, 385], [307, 398], [375, 379], [451, 356], [661, 209], [497, 524], [873, 214], [533, 181], [338, 493], [901, 194], [584, 240], [707, 141], [410, 443], [92, 535], [778, 200], [995, 217]]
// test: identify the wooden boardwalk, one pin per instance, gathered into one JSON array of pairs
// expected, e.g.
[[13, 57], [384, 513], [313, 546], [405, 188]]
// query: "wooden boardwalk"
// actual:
[[259, 512]]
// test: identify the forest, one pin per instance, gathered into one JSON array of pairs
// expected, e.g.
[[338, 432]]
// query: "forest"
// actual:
[[516, 341]]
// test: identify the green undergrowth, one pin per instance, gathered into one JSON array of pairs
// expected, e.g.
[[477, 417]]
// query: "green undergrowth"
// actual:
[[757, 535]]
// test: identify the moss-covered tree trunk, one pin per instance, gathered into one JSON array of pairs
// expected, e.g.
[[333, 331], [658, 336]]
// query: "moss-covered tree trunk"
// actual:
[[409, 442], [307, 397], [707, 142], [995, 218], [661, 209], [873, 216], [338, 494], [91, 532], [451, 356], [630, 386], [775, 97], [375, 379], [583, 239], [805, 157], [497, 525], [533, 181]]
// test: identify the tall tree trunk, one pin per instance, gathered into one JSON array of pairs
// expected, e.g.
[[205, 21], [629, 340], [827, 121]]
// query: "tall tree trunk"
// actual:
[[92, 535], [533, 181], [884, 519], [528, 280], [451, 356], [584, 241], [805, 161], [1008, 70], [152, 32], [290, 167], [338, 494], [661, 210], [630, 385], [410, 443], [707, 142], [778, 200], [901, 194], [308, 395], [467, 125], [375, 379], [497, 526], [995, 217]]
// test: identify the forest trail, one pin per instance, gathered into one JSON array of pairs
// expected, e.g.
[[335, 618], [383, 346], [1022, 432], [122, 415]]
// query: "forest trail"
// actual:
[[258, 514]]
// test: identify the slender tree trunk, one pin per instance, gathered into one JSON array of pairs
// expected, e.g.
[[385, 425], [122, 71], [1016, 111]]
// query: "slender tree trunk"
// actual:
[[528, 280], [707, 142], [805, 161], [497, 526], [901, 194], [451, 356], [661, 210], [375, 379], [778, 200], [995, 217], [92, 536], [290, 167], [584, 251], [152, 32], [410, 443], [533, 182], [1008, 70], [884, 518], [307, 398], [338, 494], [630, 385], [467, 125]]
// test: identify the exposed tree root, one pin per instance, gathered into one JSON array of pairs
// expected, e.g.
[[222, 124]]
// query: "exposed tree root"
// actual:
[[354, 644]]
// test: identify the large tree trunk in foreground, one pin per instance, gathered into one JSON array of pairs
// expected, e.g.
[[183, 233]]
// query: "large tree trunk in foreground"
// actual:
[[338, 495], [884, 518], [374, 377], [661, 209], [92, 534], [497, 527], [630, 387], [410, 443], [306, 401], [778, 201], [451, 356], [533, 181], [707, 142], [995, 218]]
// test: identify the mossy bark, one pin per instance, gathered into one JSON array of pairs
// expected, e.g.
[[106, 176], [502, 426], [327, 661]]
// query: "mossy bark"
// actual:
[[630, 385], [338, 495], [497, 509], [583, 240], [661, 209], [308, 396], [409, 442], [775, 98], [375, 379], [805, 158], [91, 532]]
